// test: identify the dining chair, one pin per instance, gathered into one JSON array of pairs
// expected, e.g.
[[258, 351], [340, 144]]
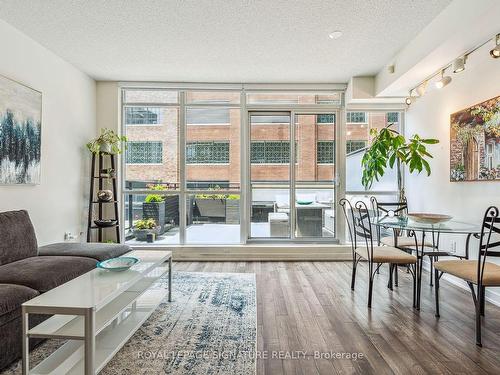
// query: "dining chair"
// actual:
[[360, 227], [400, 239], [478, 272]]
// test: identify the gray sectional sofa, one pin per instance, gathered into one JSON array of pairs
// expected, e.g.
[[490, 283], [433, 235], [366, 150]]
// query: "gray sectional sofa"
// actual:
[[27, 271]]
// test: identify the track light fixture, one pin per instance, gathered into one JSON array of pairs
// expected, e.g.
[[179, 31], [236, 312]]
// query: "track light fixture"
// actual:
[[443, 81], [459, 64], [495, 52], [421, 88]]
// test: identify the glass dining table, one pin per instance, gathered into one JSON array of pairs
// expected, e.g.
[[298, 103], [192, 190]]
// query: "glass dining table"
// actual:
[[429, 234]]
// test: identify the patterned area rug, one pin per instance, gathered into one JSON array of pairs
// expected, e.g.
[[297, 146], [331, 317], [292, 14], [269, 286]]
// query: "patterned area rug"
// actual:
[[209, 328]]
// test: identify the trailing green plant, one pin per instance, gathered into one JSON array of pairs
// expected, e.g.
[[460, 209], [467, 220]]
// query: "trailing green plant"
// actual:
[[389, 148], [116, 142], [145, 224]]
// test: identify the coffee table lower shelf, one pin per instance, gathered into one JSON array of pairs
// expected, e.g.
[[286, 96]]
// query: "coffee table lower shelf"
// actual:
[[70, 359]]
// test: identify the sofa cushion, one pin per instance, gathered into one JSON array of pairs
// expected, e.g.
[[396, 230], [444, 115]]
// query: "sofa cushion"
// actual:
[[11, 298], [98, 251], [18, 240], [43, 273]]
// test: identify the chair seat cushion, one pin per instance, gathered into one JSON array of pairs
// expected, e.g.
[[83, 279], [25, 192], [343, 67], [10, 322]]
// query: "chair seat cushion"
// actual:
[[43, 273], [386, 254], [11, 298], [98, 251], [404, 241], [467, 270]]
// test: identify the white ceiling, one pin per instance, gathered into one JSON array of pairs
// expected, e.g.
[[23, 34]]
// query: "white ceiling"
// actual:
[[223, 40]]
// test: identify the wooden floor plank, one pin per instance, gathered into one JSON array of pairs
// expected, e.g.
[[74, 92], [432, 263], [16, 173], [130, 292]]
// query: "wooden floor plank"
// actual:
[[308, 307]]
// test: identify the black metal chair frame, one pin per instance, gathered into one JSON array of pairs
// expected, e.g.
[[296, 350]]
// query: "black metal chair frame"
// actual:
[[362, 227], [490, 225], [398, 208]]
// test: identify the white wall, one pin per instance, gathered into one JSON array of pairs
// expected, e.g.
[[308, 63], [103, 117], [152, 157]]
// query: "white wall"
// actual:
[[59, 203], [430, 118]]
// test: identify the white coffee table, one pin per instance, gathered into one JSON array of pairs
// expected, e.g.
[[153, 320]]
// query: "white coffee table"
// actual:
[[97, 313]]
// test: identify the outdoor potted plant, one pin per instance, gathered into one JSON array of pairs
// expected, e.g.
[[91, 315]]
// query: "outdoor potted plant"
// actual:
[[144, 227], [108, 142], [389, 148], [153, 206], [211, 205]]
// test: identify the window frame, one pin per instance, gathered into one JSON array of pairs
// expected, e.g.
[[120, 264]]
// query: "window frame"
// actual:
[[245, 108]]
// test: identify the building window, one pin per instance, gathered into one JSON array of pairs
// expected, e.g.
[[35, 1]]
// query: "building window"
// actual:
[[392, 117], [325, 119], [207, 116], [270, 120], [353, 146], [356, 117], [144, 153], [207, 152], [142, 116], [270, 152], [325, 152]]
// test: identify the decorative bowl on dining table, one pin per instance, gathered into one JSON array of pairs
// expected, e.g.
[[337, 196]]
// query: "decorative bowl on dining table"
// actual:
[[118, 264], [427, 218]]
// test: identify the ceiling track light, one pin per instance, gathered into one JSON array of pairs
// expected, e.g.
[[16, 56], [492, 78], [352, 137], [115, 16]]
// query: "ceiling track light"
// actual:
[[409, 99], [443, 81], [421, 88], [459, 64], [495, 52]]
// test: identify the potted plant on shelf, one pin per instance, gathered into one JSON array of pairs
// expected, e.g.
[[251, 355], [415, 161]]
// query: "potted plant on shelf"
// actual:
[[108, 142], [144, 227], [389, 148]]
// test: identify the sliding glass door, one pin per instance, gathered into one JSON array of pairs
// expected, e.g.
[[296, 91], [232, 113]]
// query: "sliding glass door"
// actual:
[[270, 157], [291, 174]]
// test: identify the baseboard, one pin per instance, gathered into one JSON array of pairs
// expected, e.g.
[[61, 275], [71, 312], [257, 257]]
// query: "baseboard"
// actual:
[[243, 253]]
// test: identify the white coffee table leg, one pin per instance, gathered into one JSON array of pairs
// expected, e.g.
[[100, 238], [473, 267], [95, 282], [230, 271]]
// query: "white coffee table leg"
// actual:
[[26, 342], [89, 341]]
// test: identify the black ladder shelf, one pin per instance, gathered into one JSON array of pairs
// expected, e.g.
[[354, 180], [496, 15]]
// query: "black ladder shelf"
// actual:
[[94, 202]]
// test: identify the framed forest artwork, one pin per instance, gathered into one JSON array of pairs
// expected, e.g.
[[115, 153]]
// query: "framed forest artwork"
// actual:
[[20, 133], [475, 142]]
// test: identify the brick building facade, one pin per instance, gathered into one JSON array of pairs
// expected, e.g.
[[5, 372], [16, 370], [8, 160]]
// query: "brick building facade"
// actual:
[[213, 141]]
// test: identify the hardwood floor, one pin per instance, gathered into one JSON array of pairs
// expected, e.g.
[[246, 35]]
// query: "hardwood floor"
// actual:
[[309, 307]]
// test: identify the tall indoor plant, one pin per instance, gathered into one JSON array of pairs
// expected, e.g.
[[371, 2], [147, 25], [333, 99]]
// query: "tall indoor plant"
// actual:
[[389, 148]]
